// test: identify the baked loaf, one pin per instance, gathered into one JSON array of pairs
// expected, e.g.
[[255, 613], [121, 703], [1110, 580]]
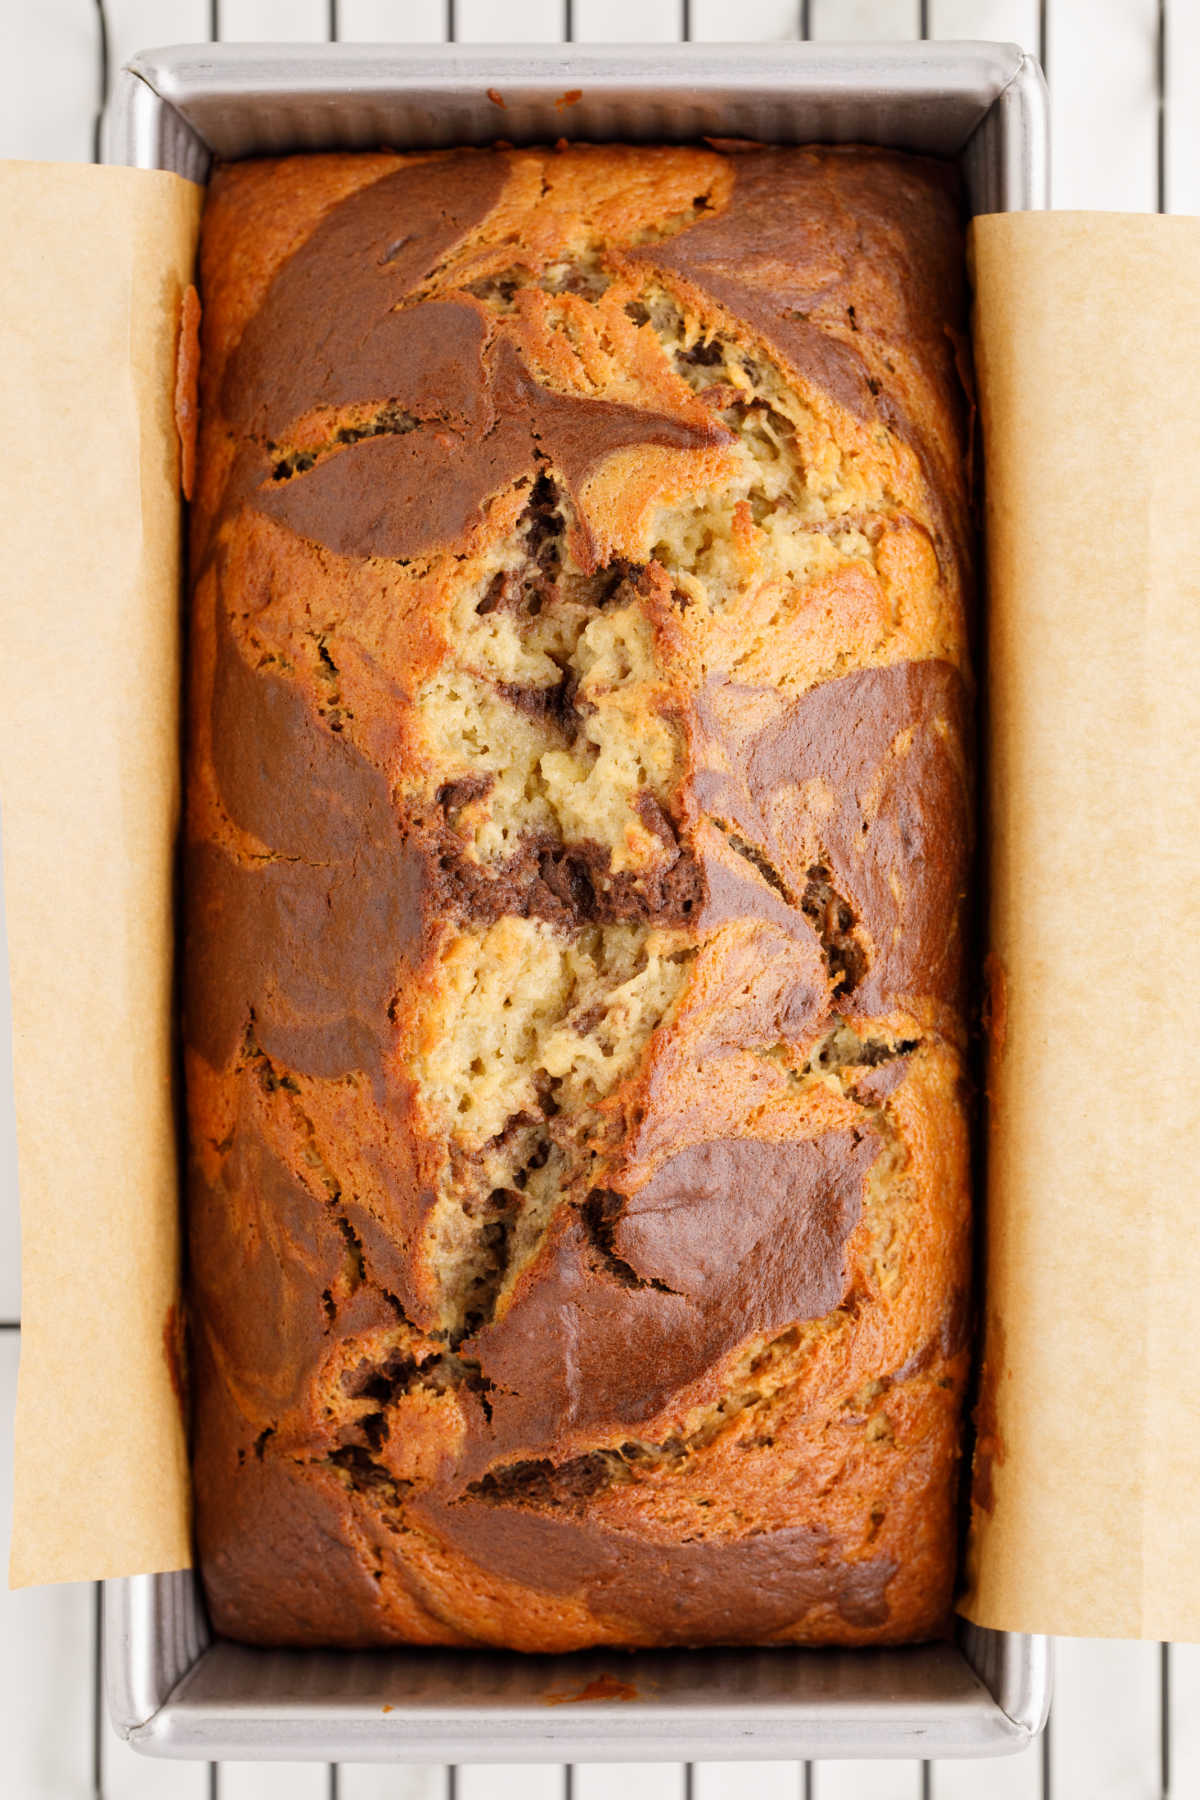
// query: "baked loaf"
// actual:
[[577, 824]]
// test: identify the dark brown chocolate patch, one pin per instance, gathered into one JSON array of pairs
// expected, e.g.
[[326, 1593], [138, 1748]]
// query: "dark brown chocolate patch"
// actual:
[[327, 333], [411, 495], [880, 1082], [566, 884], [263, 1251], [452, 796], [735, 889], [864, 775], [726, 1240], [277, 1552], [314, 938], [804, 234], [552, 705], [833, 257], [307, 951], [950, 1341], [713, 1591], [283, 776], [401, 497], [471, 427], [576, 435]]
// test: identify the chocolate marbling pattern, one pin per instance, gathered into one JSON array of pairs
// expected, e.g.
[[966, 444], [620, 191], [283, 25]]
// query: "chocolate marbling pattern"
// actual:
[[715, 1396]]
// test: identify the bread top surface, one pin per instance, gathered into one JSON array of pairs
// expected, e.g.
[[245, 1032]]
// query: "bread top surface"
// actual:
[[577, 830]]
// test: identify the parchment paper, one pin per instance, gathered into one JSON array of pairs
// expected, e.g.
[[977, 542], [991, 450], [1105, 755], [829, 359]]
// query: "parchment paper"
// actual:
[[1088, 352], [95, 262]]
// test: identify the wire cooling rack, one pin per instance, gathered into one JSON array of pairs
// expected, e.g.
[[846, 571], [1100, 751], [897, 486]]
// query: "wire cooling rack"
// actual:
[[1125, 85]]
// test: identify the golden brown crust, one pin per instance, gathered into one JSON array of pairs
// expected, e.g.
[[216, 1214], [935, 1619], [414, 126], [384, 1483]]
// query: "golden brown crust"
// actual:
[[578, 813], [187, 379]]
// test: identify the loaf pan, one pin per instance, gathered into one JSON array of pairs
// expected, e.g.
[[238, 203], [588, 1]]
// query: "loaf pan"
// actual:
[[175, 1690]]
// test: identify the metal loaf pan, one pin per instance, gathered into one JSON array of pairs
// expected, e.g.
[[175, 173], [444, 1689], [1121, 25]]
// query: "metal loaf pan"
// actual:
[[174, 1690]]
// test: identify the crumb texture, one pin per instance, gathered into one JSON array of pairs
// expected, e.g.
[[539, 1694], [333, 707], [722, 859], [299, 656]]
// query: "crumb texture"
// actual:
[[578, 818]]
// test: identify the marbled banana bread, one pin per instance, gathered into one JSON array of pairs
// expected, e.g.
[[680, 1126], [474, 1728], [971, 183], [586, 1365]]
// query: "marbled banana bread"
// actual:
[[577, 832]]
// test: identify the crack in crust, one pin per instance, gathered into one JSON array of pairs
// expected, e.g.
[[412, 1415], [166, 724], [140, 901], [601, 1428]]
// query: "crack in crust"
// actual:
[[832, 917], [601, 1212], [387, 421]]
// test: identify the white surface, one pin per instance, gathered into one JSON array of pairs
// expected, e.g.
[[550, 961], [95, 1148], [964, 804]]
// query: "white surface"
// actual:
[[124, 1775], [509, 21], [272, 1781], [997, 1778], [132, 24], [866, 1781], [510, 1781], [37, 120], [751, 21], [272, 21], [376, 1781], [395, 21], [729, 1781], [1183, 111], [1106, 1711], [629, 1781], [627, 21], [45, 1657], [1002, 21], [1185, 1718], [857, 21], [1101, 58], [1107, 1716]]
